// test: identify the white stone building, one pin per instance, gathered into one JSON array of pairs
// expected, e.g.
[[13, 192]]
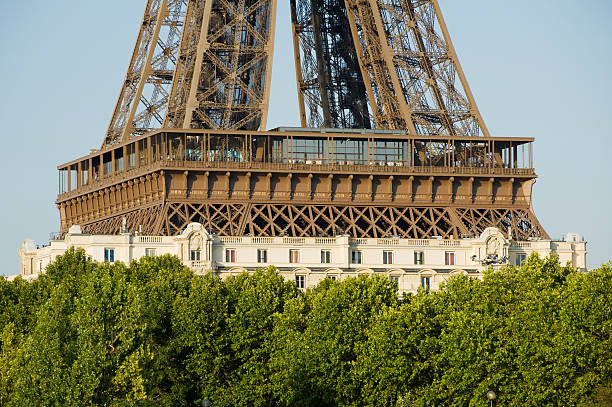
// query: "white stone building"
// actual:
[[412, 263]]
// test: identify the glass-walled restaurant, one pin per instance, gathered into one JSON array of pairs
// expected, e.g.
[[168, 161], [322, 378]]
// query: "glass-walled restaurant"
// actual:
[[371, 148]]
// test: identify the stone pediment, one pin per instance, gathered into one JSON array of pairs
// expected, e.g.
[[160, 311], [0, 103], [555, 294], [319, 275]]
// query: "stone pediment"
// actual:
[[195, 230]]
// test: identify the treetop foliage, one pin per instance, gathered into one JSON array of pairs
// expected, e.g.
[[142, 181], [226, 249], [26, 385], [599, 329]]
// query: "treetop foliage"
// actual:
[[152, 333]]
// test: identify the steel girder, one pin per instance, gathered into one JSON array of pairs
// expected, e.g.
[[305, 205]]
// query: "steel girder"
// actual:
[[197, 64], [237, 219], [146, 220], [328, 74], [234, 219], [222, 79], [409, 74], [144, 95]]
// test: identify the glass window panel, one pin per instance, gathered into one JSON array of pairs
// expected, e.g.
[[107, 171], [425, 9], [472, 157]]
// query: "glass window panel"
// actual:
[[262, 256], [300, 281], [109, 255]]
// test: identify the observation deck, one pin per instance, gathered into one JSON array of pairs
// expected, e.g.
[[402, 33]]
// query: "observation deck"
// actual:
[[188, 175]]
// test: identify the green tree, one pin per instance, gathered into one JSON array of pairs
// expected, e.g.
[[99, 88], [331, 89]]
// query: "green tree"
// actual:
[[396, 361], [601, 396], [584, 344], [226, 330], [103, 335], [19, 304], [315, 364], [537, 336], [153, 333], [9, 352]]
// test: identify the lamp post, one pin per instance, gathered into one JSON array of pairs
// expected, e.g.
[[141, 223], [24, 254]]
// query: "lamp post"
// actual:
[[491, 396]]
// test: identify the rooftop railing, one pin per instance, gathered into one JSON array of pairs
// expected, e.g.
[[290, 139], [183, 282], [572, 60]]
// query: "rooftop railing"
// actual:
[[368, 152]]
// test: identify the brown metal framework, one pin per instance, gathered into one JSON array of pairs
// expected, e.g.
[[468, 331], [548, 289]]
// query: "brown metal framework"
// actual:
[[328, 74], [197, 65], [295, 182], [394, 57], [222, 79], [391, 150], [144, 95]]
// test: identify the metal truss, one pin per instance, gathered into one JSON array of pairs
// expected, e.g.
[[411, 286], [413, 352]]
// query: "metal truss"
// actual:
[[198, 65], [223, 75], [385, 64], [226, 219], [523, 223], [328, 73], [145, 220], [412, 79], [144, 95], [240, 219]]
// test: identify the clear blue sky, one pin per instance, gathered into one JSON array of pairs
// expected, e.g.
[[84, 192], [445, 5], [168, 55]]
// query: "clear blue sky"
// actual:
[[537, 68]]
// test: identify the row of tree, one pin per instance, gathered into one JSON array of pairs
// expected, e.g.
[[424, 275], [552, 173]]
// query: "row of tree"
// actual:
[[153, 333]]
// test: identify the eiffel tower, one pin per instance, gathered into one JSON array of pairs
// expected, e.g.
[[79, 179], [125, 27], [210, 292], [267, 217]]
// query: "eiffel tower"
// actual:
[[391, 141]]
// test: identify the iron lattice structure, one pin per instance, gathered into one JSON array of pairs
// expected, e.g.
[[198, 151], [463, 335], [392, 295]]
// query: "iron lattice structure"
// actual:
[[327, 67], [391, 144], [222, 79], [270, 220], [144, 96], [390, 63], [197, 65]]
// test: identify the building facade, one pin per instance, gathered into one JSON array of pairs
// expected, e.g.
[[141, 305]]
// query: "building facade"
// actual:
[[412, 263]]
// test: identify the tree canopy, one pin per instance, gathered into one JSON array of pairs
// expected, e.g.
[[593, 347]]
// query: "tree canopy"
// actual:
[[154, 333]]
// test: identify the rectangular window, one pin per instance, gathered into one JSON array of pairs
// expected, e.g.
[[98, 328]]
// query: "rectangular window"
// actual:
[[194, 255], [356, 257], [325, 256], [230, 255], [419, 258], [294, 256], [119, 164], [332, 278], [108, 167], [449, 258], [109, 255], [387, 257], [300, 281], [150, 252], [262, 256], [394, 279], [425, 282], [520, 259]]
